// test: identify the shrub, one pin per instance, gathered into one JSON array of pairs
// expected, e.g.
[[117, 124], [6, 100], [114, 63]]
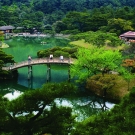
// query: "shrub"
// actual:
[[57, 51], [54, 49]]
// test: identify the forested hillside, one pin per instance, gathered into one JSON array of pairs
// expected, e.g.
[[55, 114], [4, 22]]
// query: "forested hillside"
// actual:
[[70, 16], [47, 6], [55, 17]]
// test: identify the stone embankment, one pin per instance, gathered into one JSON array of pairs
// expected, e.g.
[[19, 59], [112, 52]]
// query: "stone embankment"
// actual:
[[40, 35]]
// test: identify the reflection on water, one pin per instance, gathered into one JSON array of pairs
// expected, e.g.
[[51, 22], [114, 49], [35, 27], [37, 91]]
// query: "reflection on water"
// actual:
[[59, 73], [21, 47], [82, 105], [13, 95], [85, 106]]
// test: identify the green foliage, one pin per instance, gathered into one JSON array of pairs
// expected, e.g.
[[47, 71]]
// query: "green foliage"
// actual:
[[98, 38], [119, 120], [4, 59], [57, 51], [59, 26], [35, 112], [74, 31], [2, 23], [68, 17], [127, 75], [94, 60], [1, 37], [108, 86], [119, 25]]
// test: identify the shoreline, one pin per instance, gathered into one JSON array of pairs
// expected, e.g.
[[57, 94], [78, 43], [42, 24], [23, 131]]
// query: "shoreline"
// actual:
[[4, 45], [39, 35]]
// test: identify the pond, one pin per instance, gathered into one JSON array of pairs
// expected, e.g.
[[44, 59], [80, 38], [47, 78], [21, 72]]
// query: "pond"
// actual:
[[20, 47]]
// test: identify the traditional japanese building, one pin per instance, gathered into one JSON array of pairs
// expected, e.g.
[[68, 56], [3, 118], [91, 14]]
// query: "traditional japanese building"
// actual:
[[7, 29], [128, 36]]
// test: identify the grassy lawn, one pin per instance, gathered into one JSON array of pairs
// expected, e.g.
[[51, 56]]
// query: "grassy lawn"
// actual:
[[82, 43]]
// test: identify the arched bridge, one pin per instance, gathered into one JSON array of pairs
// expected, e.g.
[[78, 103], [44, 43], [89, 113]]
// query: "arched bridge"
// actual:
[[37, 62]]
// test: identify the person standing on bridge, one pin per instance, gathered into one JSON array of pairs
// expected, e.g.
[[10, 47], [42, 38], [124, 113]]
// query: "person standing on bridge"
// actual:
[[51, 56], [61, 58], [29, 59]]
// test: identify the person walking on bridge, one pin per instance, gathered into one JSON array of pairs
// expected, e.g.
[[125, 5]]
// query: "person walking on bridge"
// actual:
[[29, 59], [61, 58], [51, 56]]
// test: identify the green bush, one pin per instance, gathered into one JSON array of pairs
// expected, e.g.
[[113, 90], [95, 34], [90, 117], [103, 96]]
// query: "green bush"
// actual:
[[54, 49], [57, 51], [43, 53], [75, 31], [69, 50], [65, 54]]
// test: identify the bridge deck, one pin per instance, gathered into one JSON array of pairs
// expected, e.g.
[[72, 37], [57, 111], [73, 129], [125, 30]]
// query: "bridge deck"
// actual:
[[37, 62]]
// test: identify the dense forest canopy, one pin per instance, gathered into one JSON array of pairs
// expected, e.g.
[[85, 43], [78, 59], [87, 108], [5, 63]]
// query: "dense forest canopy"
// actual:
[[69, 4], [70, 16]]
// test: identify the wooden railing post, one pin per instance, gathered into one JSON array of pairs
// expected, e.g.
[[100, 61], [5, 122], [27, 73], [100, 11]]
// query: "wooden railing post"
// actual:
[[29, 72], [69, 77], [48, 75]]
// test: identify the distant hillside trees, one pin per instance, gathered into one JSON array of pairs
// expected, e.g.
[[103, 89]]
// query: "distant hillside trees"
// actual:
[[85, 21], [68, 16], [68, 5]]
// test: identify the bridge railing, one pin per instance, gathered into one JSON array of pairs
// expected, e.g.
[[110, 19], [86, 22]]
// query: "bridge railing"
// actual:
[[38, 61]]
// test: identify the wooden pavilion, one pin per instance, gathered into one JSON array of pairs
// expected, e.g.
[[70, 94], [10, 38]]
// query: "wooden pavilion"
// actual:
[[7, 29], [128, 36]]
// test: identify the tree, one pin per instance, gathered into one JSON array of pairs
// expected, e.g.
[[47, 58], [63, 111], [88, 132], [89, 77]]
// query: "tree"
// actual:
[[94, 60], [35, 112], [128, 77], [127, 71], [77, 20], [2, 23], [59, 26], [124, 13], [119, 120], [1, 37], [119, 25], [98, 38], [5, 58]]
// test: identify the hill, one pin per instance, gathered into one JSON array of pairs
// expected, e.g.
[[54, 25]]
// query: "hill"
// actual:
[[48, 6]]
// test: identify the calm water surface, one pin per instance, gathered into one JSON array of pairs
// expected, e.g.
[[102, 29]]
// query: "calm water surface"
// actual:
[[82, 104]]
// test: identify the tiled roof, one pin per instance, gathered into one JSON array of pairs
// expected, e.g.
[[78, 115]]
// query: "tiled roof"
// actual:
[[128, 34], [6, 27]]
